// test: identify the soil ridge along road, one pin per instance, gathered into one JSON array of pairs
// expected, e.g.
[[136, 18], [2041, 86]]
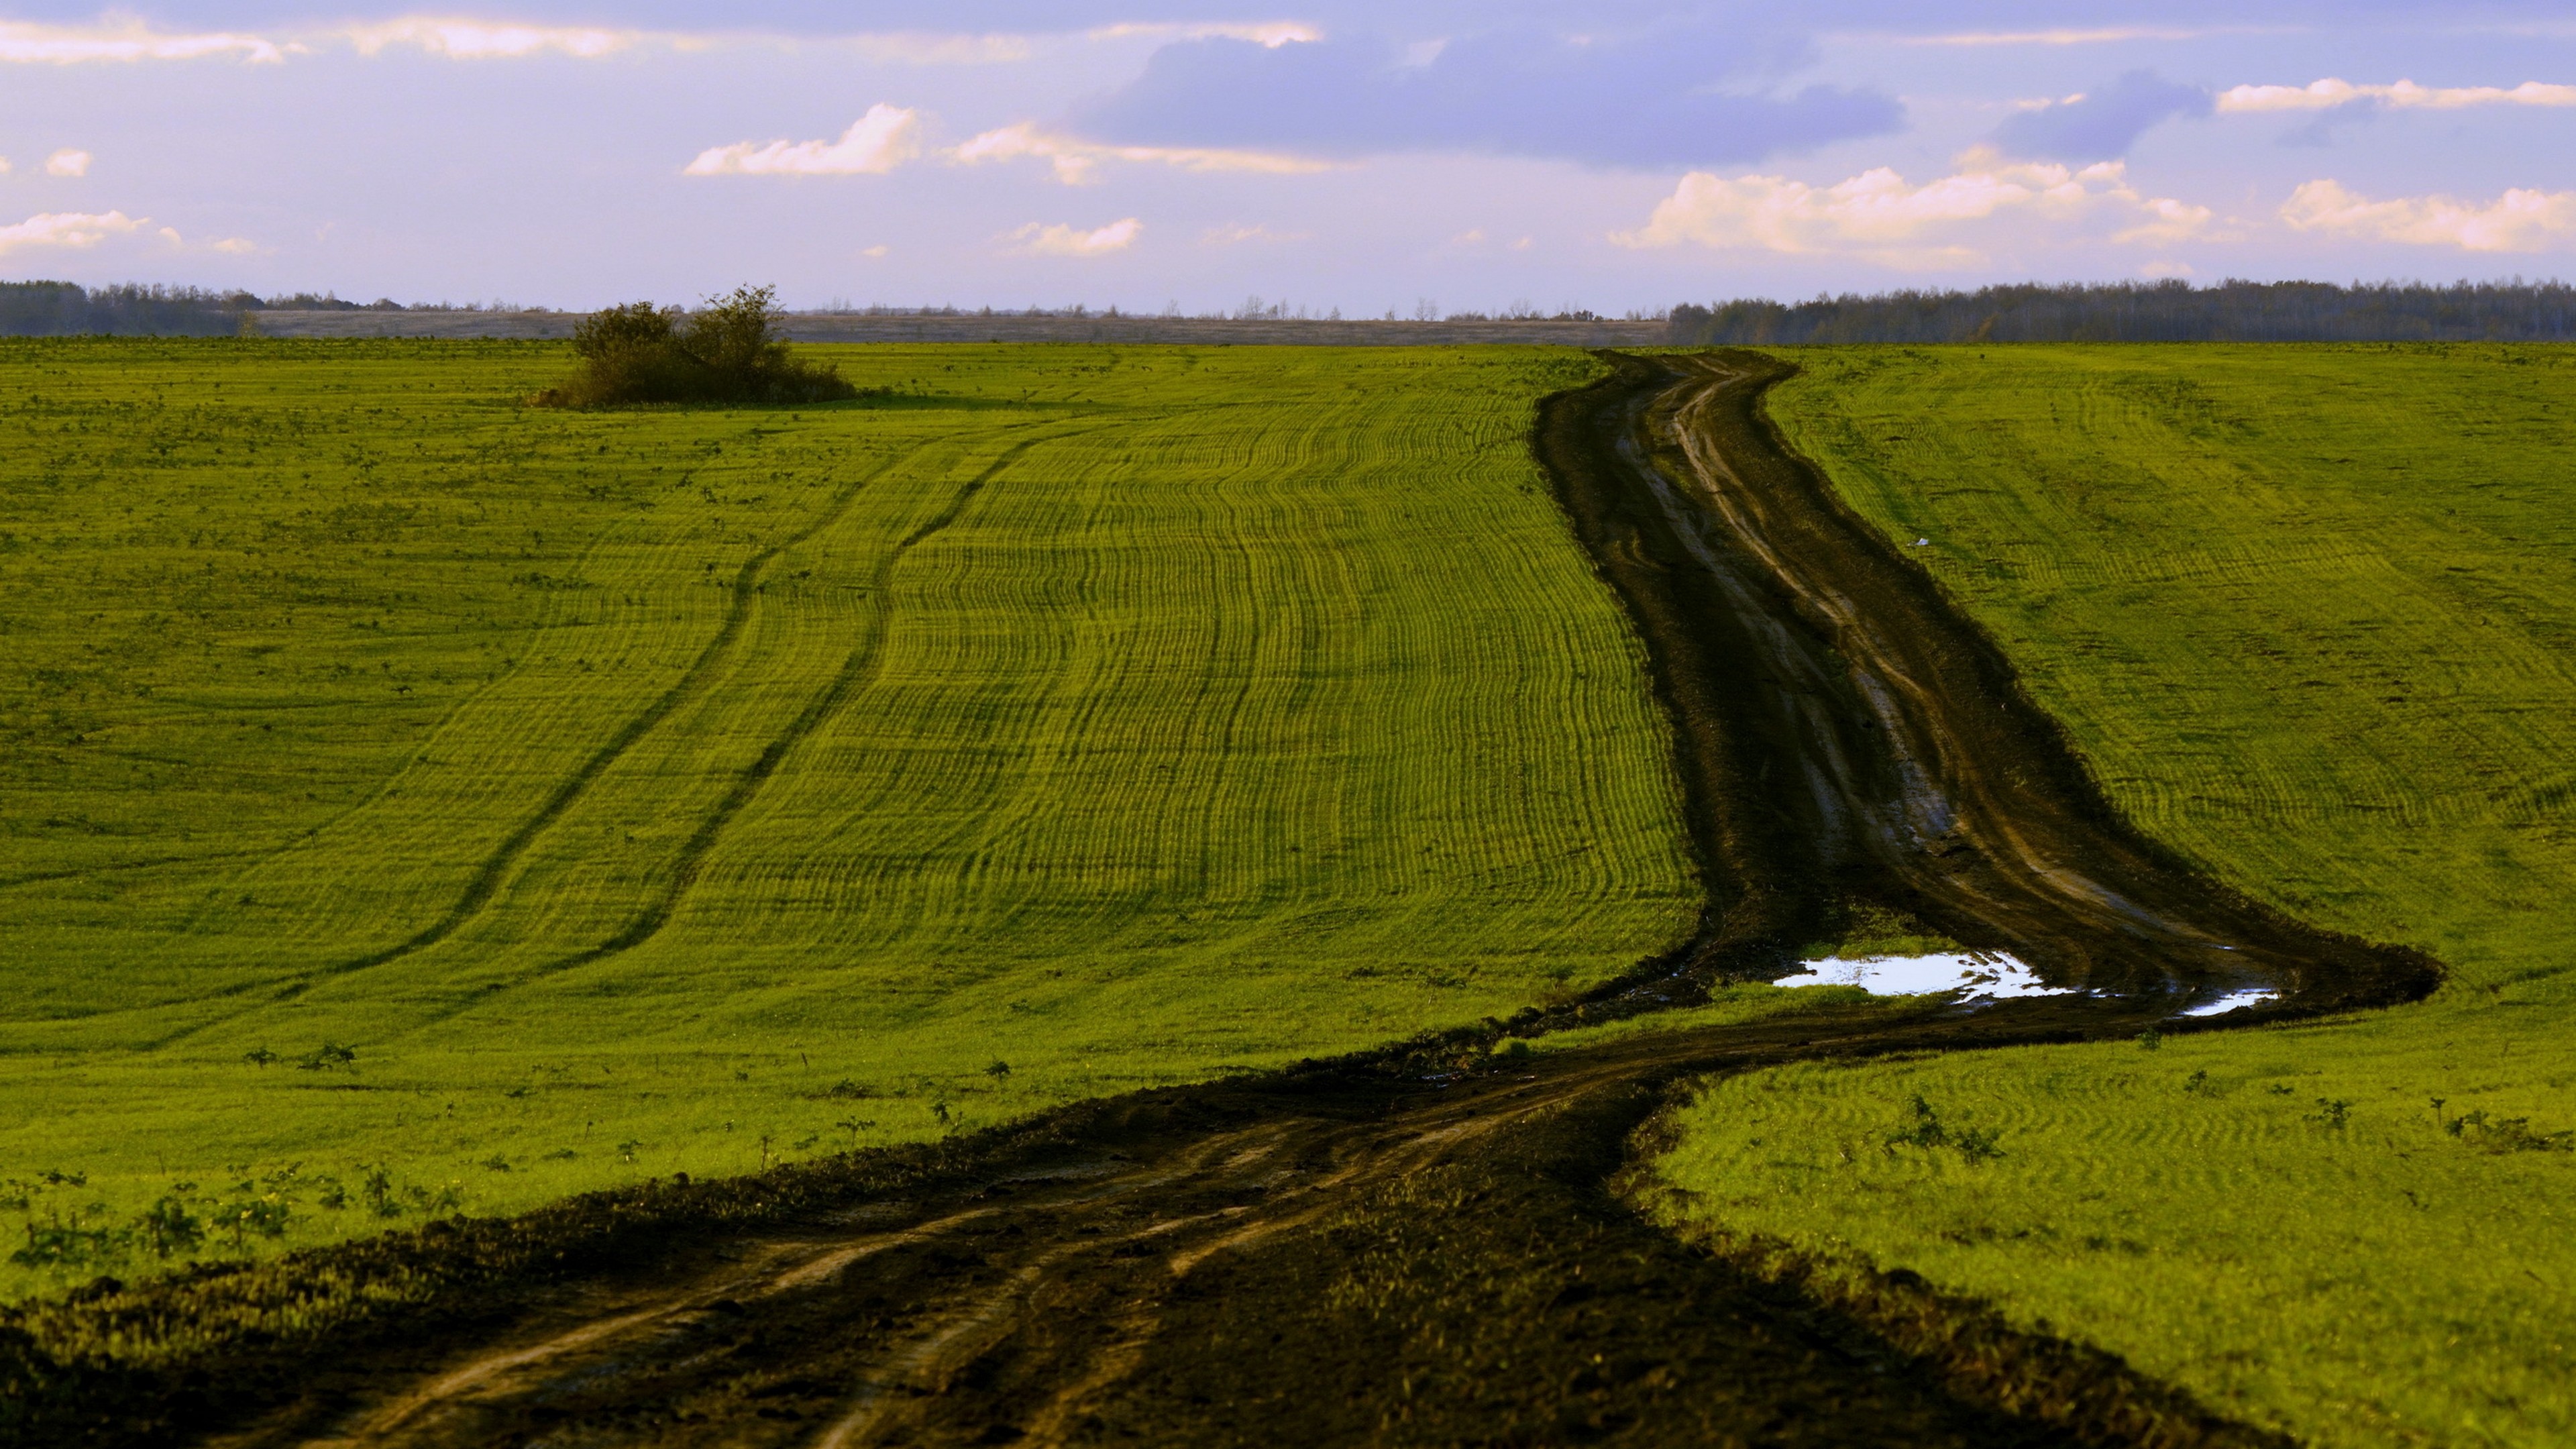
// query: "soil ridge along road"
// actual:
[[1421, 1245]]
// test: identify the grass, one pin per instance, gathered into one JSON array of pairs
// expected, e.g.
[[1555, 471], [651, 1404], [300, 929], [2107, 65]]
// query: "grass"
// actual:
[[412, 801], [2308, 612]]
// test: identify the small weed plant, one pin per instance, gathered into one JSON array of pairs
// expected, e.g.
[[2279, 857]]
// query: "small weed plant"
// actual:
[[1925, 1129], [2507, 1134]]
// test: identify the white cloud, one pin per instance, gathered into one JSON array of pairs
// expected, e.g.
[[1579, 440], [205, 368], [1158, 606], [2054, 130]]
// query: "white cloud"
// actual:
[[2161, 270], [2518, 221], [230, 246], [880, 249], [68, 229], [465, 39], [1077, 162], [1236, 233], [468, 38], [1271, 33], [67, 162], [2324, 94], [29, 44], [1064, 241], [876, 143], [486, 40], [1880, 215]]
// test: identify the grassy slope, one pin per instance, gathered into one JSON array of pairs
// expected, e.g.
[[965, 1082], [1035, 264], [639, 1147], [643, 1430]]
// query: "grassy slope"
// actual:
[[2309, 612], [1121, 715]]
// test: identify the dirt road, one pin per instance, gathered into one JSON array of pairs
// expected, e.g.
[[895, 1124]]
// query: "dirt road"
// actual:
[[1423, 1247], [1346, 1256]]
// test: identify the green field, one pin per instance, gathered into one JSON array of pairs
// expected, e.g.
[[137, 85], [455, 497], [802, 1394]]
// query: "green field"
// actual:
[[2311, 615], [411, 799]]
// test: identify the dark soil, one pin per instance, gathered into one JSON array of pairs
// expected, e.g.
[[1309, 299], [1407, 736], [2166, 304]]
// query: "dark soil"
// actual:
[[1419, 1246], [1850, 738]]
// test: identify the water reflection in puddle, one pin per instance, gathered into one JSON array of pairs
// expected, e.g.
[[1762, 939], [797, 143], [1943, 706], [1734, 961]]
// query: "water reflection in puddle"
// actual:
[[2251, 996], [1982, 975]]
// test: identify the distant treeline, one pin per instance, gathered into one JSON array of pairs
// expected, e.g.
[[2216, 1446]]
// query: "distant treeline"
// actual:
[[60, 309], [52, 309], [2172, 311]]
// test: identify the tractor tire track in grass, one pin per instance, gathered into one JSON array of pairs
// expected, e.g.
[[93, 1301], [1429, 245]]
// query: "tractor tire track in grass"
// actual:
[[494, 870], [854, 674], [1418, 1245]]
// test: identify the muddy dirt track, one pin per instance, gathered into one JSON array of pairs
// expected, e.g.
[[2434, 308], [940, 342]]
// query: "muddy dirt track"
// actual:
[[1423, 1246]]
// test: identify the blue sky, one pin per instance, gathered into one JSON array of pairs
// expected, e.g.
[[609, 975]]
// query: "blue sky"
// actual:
[[1367, 157]]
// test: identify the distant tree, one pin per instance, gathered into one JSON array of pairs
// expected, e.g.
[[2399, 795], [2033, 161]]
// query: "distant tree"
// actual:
[[728, 350]]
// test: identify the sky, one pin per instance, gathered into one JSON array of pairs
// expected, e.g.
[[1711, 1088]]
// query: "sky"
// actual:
[[1360, 156]]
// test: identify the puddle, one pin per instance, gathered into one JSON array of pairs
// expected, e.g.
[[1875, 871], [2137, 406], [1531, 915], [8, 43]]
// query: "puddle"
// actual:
[[1982, 975], [2251, 996]]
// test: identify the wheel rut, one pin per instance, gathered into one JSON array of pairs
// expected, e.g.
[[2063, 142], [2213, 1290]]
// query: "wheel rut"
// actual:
[[857, 668], [494, 872], [1423, 1245]]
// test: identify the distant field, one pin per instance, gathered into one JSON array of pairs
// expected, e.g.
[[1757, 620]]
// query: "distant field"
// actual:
[[675, 791], [2311, 614]]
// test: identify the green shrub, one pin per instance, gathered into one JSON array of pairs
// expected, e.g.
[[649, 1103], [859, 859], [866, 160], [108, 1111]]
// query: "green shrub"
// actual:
[[726, 351]]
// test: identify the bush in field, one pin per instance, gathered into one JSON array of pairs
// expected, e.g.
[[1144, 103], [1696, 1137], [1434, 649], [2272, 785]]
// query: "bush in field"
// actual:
[[726, 351]]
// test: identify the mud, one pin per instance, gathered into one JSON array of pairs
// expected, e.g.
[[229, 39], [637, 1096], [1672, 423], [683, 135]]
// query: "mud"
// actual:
[[1852, 739], [1418, 1246], [1351, 1254]]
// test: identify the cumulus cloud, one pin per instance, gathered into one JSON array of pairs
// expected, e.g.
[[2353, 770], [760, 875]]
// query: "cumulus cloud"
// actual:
[[1648, 100], [31, 44], [2102, 124], [2518, 221], [1077, 162], [68, 229], [1879, 215], [1064, 241], [2328, 94], [884, 138], [487, 40], [67, 162]]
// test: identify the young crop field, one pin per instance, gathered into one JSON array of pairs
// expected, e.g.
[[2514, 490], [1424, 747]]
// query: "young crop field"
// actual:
[[2310, 614], [413, 800]]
